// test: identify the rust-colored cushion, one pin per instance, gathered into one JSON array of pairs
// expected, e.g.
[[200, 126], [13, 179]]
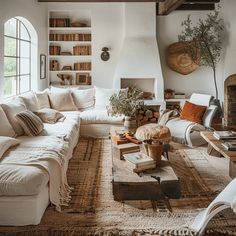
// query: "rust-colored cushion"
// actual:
[[193, 112]]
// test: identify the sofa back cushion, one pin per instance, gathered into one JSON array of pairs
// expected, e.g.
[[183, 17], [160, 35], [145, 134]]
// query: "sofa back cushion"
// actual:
[[83, 98], [193, 112], [102, 96], [6, 143], [43, 99], [30, 123], [30, 100], [11, 108], [5, 127], [62, 101]]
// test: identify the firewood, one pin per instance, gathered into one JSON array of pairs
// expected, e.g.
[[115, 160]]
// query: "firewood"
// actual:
[[153, 119], [149, 113], [156, 114]]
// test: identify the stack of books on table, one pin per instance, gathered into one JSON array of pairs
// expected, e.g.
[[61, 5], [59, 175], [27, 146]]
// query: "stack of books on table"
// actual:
[[230, 146], [139, 161], [225, 134]]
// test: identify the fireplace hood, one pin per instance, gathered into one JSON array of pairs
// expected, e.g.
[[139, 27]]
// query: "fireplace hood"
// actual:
[[139, 56]]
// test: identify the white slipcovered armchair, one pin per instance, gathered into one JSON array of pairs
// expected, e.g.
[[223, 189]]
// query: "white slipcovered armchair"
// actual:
[[189, 132]]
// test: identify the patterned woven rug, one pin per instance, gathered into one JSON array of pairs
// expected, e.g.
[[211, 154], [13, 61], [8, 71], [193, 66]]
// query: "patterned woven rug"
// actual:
[[92, 210]]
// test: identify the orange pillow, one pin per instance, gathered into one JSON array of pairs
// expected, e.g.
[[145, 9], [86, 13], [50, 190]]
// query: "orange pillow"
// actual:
[[193, 112]]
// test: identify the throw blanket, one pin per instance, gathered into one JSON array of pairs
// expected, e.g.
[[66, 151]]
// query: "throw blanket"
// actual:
[[44, 152], [166, 115]]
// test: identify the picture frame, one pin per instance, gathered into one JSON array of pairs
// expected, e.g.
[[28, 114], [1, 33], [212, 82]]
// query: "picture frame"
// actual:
[[42, 66], [83, 79]]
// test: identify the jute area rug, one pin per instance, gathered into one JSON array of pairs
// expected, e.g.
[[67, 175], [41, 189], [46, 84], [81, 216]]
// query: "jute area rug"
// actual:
[[92, 210]]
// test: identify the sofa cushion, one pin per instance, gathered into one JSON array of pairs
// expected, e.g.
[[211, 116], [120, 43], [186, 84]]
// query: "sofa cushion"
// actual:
[[48, 115], [83, 98], [68, 129], [19, 180], [5, 127], [30, 100], [62, 101], [102, 96], [43, 99], [99, 116], [11, 108], [6, 143], [31, 123], [193, 112]]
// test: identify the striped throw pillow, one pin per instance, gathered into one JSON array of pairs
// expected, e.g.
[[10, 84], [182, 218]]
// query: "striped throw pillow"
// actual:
[[30, 123]]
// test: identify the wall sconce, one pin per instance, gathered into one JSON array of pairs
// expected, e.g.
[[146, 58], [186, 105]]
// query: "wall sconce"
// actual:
[[105, 55]]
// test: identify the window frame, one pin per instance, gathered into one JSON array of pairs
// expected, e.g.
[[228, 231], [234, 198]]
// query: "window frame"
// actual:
[[18, 57]]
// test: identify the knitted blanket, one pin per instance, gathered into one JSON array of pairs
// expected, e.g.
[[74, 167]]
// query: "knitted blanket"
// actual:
[[45, 152]]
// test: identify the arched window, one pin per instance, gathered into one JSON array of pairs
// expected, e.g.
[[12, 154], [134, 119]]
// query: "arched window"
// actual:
[[17, 57]]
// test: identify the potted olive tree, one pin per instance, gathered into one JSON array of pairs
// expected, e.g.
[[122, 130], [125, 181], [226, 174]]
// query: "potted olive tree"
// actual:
[[126, 103], [205, 38]]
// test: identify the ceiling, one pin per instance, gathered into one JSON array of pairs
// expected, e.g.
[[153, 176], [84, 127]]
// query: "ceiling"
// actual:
[[164, 7]]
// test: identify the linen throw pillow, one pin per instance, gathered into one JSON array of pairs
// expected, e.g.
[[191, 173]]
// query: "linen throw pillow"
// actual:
[[11, 108], [30, 100], [62, 101], [48, 115], [6, 143], [5, 127], [84, 98], [31, 124], [193, 112], [102, 96], [43, 99]]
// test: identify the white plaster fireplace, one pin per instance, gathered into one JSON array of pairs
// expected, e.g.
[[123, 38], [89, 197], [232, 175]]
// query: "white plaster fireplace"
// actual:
[[139, 60]]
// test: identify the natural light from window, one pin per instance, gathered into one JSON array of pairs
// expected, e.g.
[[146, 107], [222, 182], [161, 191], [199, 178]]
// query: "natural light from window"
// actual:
[[17, 57]]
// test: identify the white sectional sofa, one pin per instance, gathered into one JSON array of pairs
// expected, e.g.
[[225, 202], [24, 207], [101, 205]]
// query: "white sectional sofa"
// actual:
[[30, 167]]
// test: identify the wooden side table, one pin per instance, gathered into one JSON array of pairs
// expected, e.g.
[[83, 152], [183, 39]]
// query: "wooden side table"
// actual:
[[220, 150]]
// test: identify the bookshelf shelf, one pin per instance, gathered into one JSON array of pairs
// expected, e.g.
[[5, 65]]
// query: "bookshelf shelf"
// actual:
[[82, 29], [63, 37], [70, 71], [71, 56]]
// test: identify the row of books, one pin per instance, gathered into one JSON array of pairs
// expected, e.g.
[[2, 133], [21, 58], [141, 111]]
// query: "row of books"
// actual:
[[226, 135], [70, 37], [230, 146], [54, 50], [139, 161], [83, 66], [82, 50], [59, 22]]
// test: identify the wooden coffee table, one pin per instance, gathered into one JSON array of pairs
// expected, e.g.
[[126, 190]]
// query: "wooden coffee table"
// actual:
[[220, 150], [156, 184]]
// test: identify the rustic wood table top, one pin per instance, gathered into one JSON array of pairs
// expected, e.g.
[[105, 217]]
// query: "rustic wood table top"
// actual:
[[217, 145]]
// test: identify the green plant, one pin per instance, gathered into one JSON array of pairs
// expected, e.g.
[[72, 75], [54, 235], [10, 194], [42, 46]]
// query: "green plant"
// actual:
[[126, 102], [204, 38]]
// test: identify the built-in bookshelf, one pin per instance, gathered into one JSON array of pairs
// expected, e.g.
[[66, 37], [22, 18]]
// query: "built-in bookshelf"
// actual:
[[70, 48]]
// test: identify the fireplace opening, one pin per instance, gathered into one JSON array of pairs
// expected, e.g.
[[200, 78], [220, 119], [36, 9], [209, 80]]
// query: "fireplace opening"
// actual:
[[147, 85], [230, 101]]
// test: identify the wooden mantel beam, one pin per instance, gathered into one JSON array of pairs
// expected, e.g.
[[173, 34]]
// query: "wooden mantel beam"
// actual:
[[166, 7]]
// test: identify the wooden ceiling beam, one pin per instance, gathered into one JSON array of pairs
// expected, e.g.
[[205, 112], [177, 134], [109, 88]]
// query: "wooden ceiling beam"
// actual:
[[100, 1], [196, 7], [166, 7], [201, 1]]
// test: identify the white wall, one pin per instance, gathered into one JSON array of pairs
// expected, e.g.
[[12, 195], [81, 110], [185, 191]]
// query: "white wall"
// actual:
[[107, 31], [228, 9], [37, 15], [107, 20], [201, 80]]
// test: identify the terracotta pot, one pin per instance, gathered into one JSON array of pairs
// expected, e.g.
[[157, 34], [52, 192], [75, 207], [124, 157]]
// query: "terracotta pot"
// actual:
[[154, 151]]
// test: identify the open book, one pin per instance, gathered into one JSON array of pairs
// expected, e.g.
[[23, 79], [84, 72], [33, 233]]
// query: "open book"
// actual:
[[226, 199]]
